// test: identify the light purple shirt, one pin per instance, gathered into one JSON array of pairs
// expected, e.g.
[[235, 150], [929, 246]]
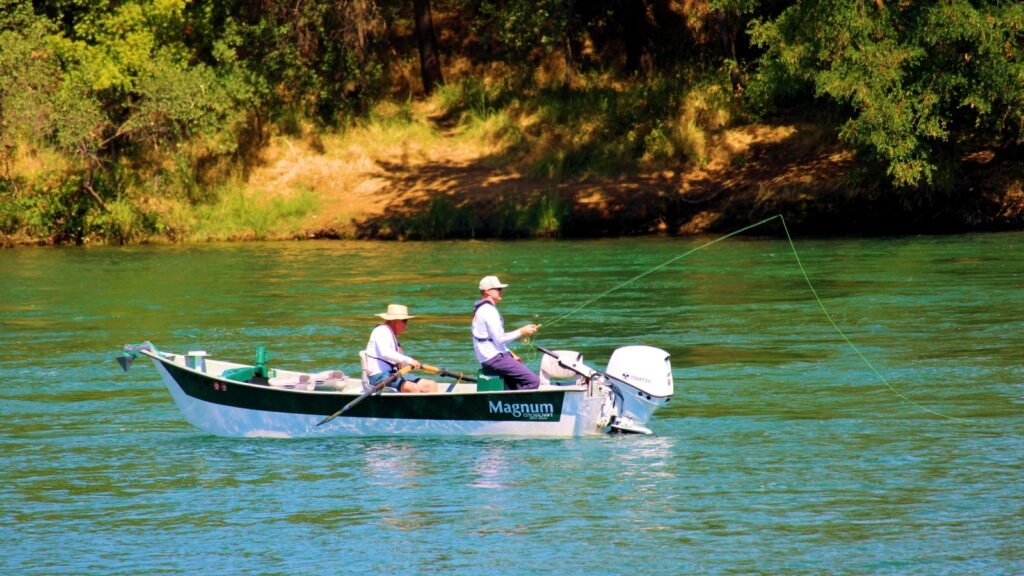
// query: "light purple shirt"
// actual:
[[489, 336]]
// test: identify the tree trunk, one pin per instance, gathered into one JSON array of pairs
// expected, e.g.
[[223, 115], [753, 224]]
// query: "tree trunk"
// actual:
[[634, 29], [570, 60], [430, 63]]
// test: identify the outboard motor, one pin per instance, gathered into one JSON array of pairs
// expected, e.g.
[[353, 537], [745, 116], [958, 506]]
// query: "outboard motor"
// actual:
[[640, 381]]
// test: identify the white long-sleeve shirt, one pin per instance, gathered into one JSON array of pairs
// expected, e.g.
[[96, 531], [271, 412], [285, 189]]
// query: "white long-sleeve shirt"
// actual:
[[489, 336], [383, 348]]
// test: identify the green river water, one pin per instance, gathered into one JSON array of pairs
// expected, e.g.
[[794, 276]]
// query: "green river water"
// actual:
[[781, 453]]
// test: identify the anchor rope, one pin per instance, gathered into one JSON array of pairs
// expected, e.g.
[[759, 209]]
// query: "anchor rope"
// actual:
[[810, 285]]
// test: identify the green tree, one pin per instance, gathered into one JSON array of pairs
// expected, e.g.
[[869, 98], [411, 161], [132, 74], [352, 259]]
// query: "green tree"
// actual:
[[130, 87], [112, 87], [320, 59], [29, 75], [916, 82]]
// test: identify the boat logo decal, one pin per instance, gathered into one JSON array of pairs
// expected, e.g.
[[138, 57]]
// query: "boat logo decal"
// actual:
[[626, 378], [525, 410]]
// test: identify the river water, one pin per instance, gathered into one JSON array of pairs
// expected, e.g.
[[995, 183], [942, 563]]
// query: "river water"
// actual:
[[782, 452]]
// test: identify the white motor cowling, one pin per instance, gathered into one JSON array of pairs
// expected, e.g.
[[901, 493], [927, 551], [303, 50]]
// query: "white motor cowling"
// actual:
[[642, 377]]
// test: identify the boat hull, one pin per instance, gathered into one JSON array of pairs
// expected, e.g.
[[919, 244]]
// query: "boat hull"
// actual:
[[230, 408]]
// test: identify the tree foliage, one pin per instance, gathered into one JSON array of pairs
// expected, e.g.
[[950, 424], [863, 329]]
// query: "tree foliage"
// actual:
[[29, 77], [915, 82]]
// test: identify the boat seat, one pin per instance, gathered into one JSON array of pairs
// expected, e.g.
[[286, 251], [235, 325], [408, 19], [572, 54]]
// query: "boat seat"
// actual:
[[365, 377], [550, 369]]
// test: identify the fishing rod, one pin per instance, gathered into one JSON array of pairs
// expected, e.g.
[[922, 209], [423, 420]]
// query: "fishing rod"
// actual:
[[659, 267], [810, 285]]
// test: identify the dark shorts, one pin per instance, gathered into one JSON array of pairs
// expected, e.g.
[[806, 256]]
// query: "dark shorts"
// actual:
[[396, 383], [514, 372]]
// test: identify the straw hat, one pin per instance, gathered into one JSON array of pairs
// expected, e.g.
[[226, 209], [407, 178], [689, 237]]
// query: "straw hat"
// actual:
[[396, 312], [489, 282]]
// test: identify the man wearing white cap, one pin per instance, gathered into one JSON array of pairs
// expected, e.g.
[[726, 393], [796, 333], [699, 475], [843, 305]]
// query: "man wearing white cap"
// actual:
[[490, 339], [385, 357]]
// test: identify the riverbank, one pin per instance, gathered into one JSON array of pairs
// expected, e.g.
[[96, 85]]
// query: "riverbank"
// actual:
[[418, 173], [441, 187], [196, 123]]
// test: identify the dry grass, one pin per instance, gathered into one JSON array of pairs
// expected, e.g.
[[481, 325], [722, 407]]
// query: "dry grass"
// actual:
[[420, 158], [33, 164], [353, 172]]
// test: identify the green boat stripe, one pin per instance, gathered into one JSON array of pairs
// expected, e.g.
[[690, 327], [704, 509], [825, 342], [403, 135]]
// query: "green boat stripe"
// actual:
[[543, 406]]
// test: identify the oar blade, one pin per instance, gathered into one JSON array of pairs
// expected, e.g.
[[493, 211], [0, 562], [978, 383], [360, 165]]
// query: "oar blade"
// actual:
[[364, 395], [125, 360]]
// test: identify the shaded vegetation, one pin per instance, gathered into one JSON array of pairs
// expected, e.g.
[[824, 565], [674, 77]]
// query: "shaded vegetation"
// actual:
[[142, 120]]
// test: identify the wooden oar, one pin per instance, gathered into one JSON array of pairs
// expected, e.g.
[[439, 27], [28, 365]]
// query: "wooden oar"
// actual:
[[442, 372], [371, 392]]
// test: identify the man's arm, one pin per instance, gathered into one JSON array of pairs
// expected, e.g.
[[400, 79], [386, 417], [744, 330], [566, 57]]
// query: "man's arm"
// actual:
[[492, 321]]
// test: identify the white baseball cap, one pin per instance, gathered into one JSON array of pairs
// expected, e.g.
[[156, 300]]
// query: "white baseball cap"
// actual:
[[489, 282]]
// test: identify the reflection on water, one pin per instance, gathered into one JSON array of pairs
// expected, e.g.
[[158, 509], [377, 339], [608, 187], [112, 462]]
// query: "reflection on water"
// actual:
[[780, 454], [491, 467], [391, 463]]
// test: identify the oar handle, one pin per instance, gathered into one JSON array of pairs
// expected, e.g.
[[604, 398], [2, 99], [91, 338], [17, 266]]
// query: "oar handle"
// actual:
[[442, 372]]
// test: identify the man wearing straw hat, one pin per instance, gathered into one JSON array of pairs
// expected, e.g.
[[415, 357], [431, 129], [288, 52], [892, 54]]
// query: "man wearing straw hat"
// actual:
[[490, 339], [385, 357]]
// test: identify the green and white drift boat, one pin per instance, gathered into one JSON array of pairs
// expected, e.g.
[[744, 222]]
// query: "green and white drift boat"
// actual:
[[231, 399]]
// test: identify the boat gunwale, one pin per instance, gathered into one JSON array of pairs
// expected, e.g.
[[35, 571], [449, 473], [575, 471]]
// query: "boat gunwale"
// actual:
[[160, 356]]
